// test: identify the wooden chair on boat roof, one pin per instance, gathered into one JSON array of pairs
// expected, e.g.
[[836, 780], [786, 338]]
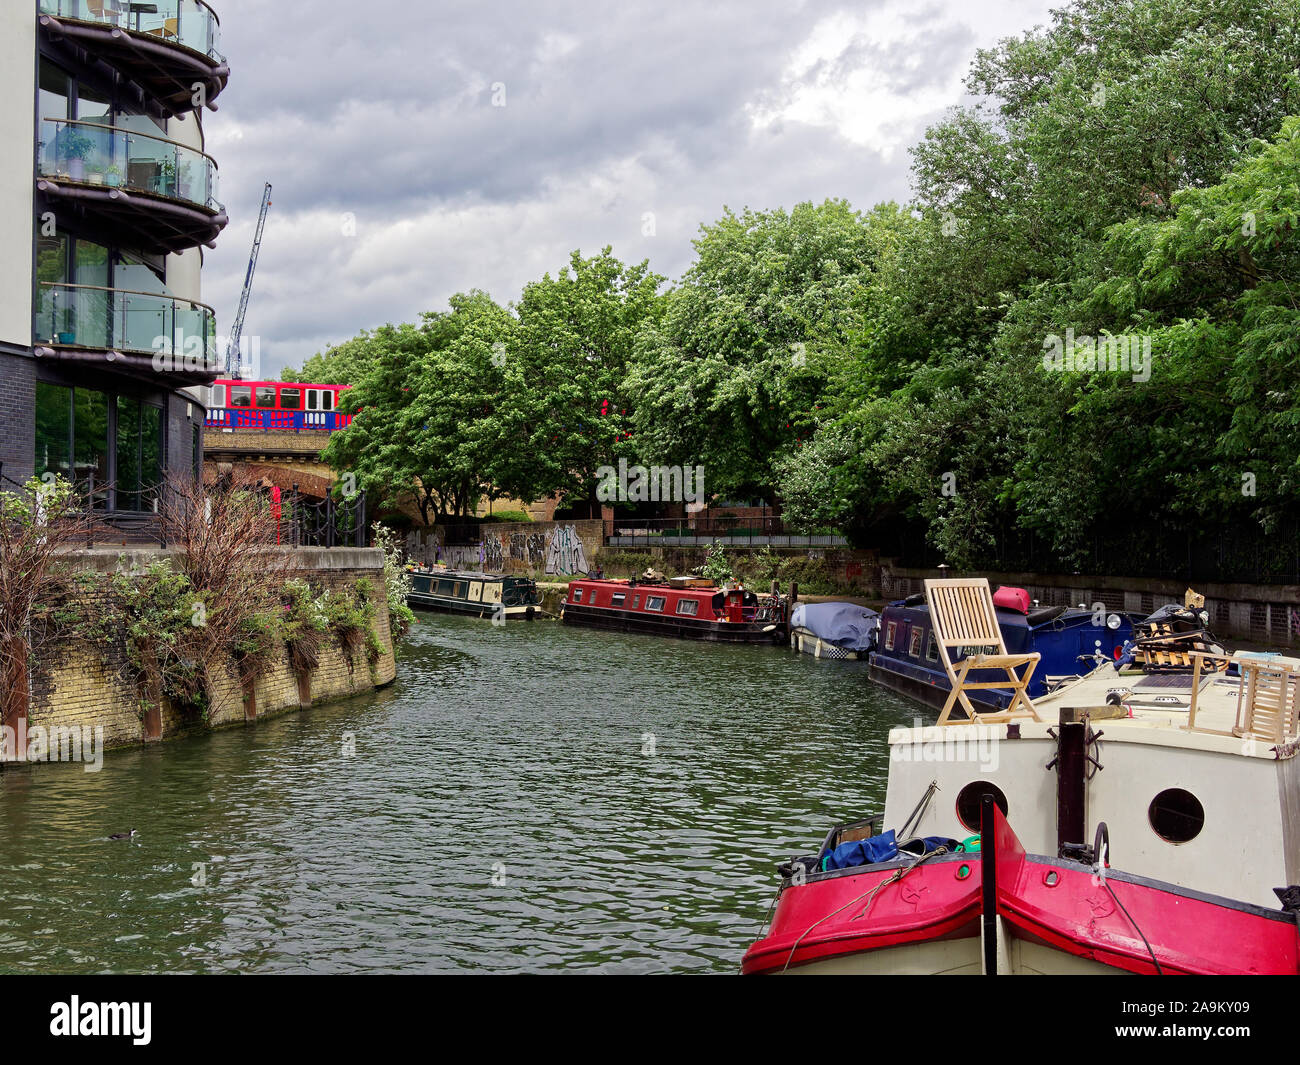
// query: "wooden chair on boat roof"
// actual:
[[962, 615], [1268, 698]]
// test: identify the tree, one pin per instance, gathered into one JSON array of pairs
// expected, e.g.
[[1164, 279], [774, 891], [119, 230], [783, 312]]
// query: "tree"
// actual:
[[570, 361], [732, 375], [430, 422]]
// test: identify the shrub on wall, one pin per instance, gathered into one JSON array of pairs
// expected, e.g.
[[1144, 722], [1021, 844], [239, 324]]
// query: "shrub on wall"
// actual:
[[397, 582]]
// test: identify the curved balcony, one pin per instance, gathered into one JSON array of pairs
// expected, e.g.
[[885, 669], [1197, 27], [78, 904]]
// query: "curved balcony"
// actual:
[[123, 331], [165, 46], [153, 192]]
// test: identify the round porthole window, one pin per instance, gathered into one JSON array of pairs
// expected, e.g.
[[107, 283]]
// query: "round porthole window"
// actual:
[[1176, 815], [968, 802]]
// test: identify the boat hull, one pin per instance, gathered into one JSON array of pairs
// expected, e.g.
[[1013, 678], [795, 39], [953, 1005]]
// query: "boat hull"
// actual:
[[1044, 915], [685, 628], [472, 609]]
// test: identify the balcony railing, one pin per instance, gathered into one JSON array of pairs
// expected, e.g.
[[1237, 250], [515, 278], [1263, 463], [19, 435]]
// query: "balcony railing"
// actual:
[[121, 158], [185, 22], [180, 334]]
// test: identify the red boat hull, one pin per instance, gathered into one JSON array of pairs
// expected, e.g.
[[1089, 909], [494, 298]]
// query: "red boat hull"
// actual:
[[1083, 919]]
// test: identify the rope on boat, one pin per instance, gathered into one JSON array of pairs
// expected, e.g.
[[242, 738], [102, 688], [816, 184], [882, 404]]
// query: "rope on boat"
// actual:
[[1154, 961], [870, 896]]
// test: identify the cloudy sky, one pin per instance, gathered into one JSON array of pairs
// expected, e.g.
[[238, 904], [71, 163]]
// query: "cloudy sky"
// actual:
[[421, 148]]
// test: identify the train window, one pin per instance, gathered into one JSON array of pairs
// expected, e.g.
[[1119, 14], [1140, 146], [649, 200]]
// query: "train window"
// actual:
[[313, 399], [266, 396], [970, 798], [291, 398], [217, 396], [326, 399], [241, 395]]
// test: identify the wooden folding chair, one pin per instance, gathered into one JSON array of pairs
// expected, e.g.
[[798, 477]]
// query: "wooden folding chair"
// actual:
[[1267, 701], [962, 615]]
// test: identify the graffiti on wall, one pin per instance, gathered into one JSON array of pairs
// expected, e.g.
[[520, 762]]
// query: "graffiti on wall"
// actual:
[[492, 557], [564, 551]]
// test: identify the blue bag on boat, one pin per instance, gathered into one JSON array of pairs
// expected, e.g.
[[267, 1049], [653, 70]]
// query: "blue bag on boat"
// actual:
[[862, 852]]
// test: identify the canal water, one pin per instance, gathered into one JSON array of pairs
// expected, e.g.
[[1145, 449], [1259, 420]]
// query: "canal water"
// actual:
[[524, 798]]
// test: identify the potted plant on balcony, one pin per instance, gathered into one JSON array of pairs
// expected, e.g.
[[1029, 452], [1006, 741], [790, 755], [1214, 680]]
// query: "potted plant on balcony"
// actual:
[[113, 176], [75, 146]]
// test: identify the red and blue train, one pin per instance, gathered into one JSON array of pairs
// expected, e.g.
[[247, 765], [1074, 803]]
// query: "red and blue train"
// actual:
[[290, 405]]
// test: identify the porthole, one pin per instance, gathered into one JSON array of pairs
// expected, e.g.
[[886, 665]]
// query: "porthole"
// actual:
[[1176, 815], [968, 802]]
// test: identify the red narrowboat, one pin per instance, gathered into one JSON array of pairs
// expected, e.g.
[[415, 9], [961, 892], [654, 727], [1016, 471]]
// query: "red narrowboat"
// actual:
[[685, 607]]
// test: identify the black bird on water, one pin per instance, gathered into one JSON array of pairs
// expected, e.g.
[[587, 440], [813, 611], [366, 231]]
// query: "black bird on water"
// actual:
[[122, 835]]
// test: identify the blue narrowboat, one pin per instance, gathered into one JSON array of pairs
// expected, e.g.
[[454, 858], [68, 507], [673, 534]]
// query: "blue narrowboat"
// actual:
[[1070, 641]]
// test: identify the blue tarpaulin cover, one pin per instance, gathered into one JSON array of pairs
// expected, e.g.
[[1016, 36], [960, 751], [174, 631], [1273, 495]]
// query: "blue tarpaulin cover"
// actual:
[[862, 852], [882, 848], [846, 625]]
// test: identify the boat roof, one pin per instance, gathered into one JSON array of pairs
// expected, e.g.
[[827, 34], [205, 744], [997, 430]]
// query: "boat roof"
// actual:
[[478, 575]]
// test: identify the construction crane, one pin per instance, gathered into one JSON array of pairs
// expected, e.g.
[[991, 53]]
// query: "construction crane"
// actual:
[[233, 359]]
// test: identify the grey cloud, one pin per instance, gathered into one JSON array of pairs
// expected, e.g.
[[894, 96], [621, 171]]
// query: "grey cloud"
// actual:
[[383, 110]]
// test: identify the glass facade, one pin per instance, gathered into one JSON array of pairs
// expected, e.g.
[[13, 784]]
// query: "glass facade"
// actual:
[[109, 445]]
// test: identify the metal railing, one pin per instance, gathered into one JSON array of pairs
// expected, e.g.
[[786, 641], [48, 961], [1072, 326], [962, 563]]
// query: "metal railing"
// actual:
[[703, 529], [189, 23], [113, 157], [181, 334], [328, 522]]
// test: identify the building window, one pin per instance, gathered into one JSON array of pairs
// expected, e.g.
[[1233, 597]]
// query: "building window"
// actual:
[[102, 442], [688, 606], [198, 453]]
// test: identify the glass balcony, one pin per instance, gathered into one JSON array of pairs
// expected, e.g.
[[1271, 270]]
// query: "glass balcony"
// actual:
[[119, 158], [189, 23], [179, 336]]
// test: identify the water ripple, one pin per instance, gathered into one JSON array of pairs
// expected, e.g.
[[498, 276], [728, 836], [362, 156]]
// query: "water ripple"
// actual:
[[494, 810]]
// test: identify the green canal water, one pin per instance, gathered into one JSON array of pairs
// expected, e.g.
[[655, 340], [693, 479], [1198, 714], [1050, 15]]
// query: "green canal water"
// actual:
[[524, 798]]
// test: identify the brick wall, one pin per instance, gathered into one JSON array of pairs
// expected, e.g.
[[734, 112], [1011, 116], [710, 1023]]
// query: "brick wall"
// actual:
[[17, 415], [76, 687]]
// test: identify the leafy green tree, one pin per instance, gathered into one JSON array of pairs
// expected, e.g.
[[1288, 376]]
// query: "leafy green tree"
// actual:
[[568, 364], [428, 425], [732, 376]]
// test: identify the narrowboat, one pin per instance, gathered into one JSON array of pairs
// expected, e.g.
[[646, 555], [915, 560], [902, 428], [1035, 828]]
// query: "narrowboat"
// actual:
[[1071, 643], [483, 595], [834, 630], [1170, 846], [685, 607]]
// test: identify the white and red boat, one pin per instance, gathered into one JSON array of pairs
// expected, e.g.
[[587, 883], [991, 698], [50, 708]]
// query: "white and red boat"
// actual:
[[1132, 821], [685, 607]]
